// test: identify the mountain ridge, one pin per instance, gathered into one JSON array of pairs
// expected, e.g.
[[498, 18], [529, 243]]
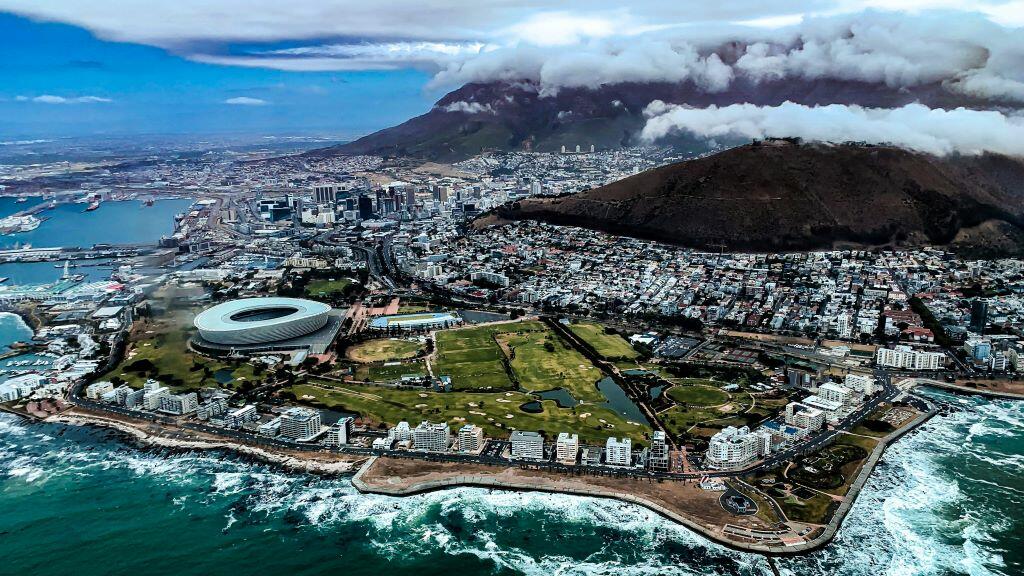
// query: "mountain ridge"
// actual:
[[509, 116], [783, 195]]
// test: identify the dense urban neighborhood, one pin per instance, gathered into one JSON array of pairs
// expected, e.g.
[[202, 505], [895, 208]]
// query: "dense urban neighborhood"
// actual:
[[353, 306]]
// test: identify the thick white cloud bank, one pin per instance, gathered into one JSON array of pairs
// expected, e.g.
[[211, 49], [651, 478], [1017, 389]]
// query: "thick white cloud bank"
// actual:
[[973, 47], [915, 127], [967, 53]]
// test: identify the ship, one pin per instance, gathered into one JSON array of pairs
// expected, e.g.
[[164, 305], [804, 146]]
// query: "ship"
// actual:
[[92, 206], [22, 200], [148, 202]]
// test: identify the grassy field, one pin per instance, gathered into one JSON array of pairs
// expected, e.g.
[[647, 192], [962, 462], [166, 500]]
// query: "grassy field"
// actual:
[[698, 395], [607, 345], [383, 350], [324, 288], [163, 342], [539, 360], [497, 413], [742, 410], [473, 359], [814, 509], [384, 373]]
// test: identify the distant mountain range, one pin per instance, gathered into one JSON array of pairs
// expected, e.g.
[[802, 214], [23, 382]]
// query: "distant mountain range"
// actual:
[[509, 116], [783, 195]]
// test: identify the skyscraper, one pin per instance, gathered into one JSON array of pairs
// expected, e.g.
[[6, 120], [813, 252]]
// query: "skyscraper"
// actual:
[[365, 208], [325, 193], [979, 315]]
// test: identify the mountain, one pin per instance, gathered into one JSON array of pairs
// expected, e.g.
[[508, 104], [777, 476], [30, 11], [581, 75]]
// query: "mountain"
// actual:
[[513, 116], [784, 195]]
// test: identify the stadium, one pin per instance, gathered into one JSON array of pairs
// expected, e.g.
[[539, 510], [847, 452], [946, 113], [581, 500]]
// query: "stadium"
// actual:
[[424, 321], [266, 324]]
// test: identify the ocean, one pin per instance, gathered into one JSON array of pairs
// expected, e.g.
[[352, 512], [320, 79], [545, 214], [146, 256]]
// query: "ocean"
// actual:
[[127, 222], [12, 329], [945, 500]]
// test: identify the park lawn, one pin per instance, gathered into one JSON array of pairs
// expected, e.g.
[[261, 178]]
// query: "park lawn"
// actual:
[[472, 357], [607, 345], [678, 419], [813, 510], [486, 409], [698, 395], [742, 410], [386, 373], [324, 288], [563, 366], [383, 350], [865, 443], [164, 342]]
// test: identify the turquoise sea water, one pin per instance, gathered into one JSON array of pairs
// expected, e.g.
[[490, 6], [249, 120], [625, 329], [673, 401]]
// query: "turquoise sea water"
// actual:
[[10, 205], [127, 222], [12, 329], [946, 500]]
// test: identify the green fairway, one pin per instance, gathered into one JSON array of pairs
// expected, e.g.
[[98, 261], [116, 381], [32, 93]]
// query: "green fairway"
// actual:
[[609, 346], [698, 395], [497, 413], [383, 350], [324, 288], [472, 357], [537, 359], [388, 372]]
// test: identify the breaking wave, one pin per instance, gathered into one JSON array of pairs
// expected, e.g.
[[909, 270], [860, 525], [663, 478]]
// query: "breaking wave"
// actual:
[[938, 504]]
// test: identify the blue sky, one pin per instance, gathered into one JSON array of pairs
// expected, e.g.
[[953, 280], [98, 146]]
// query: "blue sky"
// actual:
[[343, 68], [151, 90]]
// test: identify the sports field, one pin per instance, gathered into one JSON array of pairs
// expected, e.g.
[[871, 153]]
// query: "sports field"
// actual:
[[383, 350], [698, 395], [607, 345], [537, 358], [497, 413], [324, 288]]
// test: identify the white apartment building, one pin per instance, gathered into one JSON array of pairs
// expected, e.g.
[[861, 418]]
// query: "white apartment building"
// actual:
[[527, 445], [151, 399], [836, 393], [97, 389], [907, 358], [833, 410], [471, 439], [657, 458], [178, 403], [300, 424], [339, 432], [805, 417], [618, 452], [236, 418], [567, 448], [432, 437], [736, 447], [401, 432], [865, 385]]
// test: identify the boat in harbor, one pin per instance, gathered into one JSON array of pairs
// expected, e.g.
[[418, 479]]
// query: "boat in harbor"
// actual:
[[92, 206]]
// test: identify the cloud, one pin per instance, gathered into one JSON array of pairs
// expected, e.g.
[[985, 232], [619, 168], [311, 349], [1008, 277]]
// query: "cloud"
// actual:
[[469, 107], [51, 99], [970, 49], [246, 101], [916, 127], [966, 53]]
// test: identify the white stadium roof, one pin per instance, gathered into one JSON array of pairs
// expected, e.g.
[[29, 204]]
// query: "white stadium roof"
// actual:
[[260, 320]]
